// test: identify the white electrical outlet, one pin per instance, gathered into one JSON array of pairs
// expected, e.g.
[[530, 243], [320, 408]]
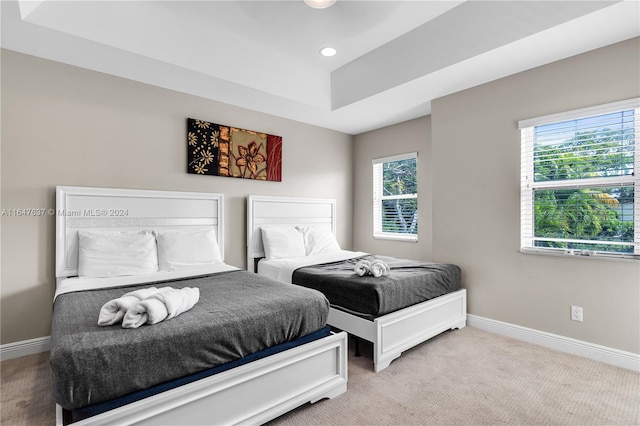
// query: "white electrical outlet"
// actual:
[[576, 313]]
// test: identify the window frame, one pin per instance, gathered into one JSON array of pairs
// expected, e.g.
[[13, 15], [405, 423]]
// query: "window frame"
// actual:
[[378, 198], [529, 186]]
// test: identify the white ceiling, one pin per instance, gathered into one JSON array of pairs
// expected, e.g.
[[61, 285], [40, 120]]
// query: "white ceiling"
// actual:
[[393, 57]]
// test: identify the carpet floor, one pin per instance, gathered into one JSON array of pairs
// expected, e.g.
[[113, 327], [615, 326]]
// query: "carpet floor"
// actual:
[[462, 377]]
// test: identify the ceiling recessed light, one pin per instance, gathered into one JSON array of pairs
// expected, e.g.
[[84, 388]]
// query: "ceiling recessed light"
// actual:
[[319, 4], [328, 51]]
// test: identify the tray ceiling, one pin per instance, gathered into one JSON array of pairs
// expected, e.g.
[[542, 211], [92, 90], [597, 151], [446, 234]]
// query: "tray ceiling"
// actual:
[[393, 57]]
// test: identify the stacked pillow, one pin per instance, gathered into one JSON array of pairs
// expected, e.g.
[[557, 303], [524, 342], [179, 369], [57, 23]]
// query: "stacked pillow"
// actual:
[[117, 253], [104, 254], [318, 240], [286, 241], [184, 249]]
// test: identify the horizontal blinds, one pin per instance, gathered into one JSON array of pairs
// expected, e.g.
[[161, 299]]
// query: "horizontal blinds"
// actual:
[[580, 186], [399, 215], [586, 148]]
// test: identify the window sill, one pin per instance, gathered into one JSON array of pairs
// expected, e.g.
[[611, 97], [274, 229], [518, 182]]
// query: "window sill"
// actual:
[[395, 237], [562, 253]]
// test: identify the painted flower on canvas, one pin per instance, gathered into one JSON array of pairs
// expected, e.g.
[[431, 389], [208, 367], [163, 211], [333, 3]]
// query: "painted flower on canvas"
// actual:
[[251, 160]]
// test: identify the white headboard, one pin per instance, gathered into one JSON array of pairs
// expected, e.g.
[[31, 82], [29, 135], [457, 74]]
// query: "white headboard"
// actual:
[[131, 209], [284, 211]]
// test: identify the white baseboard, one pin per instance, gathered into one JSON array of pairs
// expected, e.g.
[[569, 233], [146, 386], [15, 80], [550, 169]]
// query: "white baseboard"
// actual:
[[25, 347], [593, 351]]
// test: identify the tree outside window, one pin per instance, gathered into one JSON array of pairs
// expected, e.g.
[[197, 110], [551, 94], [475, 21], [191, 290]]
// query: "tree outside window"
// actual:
[[395, 197]]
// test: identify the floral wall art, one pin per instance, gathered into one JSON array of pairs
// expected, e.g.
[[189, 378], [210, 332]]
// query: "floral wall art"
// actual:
[[219, 150]]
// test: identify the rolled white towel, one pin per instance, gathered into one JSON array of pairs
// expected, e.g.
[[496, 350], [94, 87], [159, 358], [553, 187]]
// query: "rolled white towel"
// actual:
[[146, 311], [161, 306], [379, 269], [362, 267], [178, 301], [114, 310], [387, 270]]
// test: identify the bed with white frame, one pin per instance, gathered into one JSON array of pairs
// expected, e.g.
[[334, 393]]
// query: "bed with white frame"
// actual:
[[391, 334], [253, 393]]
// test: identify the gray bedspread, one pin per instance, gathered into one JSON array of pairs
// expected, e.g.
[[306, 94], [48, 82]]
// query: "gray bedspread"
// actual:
[[410, 282], [238, 313]]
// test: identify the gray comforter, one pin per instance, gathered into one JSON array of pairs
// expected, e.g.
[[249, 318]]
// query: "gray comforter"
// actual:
[[410, 282], [238, 313]]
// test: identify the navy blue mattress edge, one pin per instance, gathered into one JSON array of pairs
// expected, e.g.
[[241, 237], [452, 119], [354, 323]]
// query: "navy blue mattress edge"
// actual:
[[95, 409]]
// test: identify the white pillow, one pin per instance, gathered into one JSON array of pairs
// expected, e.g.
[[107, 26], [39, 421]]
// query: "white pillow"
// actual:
[[318, 240], [282, 242], [116, 253], [183, 249]]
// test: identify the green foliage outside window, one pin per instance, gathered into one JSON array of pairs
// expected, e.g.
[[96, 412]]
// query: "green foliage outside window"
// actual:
[[593, 213], [399, 215]]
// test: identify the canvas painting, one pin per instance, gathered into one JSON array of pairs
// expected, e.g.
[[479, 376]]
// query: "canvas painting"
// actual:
[[219, 150]]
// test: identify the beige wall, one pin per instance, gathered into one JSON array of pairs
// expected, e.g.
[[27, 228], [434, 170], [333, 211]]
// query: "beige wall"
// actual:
[[63, 125], [476, 178], [469, 189], [410, 136]]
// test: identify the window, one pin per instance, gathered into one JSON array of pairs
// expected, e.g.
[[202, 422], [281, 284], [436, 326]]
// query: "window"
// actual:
[[580, 182], [395, 197]]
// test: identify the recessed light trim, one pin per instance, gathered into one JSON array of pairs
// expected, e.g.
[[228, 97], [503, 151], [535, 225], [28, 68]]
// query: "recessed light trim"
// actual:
[[328, 51], [319, 4]]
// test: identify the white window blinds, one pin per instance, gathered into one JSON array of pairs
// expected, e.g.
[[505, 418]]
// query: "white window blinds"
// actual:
[[580, 186], [395, 197]]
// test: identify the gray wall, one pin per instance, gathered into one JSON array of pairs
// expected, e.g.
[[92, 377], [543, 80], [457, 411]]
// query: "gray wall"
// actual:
[[474, 170], [410, 136], [63, 125]]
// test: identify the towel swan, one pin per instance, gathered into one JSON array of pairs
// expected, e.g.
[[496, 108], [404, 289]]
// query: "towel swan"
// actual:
[[161, 306]]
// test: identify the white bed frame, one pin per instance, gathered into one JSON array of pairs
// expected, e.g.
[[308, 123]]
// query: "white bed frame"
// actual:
[[390, 334], [253, 393]]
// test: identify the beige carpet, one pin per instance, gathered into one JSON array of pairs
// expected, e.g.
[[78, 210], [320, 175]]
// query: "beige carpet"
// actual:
[[463, 377], [25, 395], [472, 377]]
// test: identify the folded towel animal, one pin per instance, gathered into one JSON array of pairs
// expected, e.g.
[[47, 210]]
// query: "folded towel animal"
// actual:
[[114, 310], [161, 306], [379, 269], [362, 267], [376, 268]]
